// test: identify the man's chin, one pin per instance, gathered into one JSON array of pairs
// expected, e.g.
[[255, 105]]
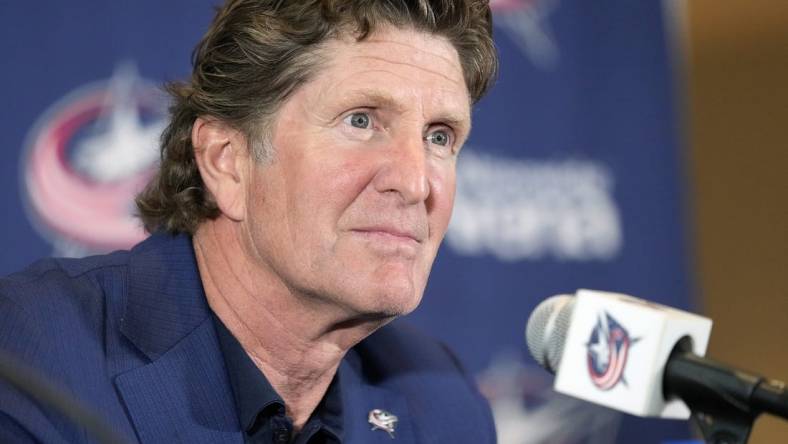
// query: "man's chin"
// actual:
[[389, 302]]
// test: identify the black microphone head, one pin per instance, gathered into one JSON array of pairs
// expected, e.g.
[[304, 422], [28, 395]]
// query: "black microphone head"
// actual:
[[546, 330]]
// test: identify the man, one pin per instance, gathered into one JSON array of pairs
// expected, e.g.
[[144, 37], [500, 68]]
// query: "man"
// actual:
[[307, 180]]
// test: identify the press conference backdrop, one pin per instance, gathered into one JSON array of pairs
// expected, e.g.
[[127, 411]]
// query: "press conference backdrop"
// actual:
[[571, 178]]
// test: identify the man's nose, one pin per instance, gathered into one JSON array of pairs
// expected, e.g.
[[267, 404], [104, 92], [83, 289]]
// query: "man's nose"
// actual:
[[405, 170]]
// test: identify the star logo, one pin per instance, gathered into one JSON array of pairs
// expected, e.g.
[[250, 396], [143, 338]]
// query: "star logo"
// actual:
[[87, 158], [608, 350]]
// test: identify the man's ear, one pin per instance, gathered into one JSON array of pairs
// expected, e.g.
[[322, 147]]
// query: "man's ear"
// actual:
[[221, 155]]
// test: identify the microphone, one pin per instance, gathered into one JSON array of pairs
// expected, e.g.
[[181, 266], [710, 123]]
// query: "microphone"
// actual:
[[29, 382], [645, 359]]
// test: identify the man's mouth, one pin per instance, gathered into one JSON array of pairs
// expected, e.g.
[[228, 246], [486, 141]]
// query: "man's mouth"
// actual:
[[390, 234]]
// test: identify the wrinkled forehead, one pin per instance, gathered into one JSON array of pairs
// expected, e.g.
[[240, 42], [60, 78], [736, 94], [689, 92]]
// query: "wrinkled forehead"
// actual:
[[402, 63], [414, 47], [430, 52]]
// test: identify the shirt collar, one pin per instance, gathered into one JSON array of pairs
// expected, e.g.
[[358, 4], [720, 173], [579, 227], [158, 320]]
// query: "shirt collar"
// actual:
[[255, 395]]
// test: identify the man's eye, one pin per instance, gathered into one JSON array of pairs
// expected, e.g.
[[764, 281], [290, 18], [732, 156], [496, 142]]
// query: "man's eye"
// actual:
[[359, 120], [439, 137]]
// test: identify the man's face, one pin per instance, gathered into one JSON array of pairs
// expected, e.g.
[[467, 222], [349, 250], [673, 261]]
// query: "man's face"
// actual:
[[357, 199]]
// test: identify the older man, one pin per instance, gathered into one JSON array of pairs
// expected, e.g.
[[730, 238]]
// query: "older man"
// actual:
[[307, 180]]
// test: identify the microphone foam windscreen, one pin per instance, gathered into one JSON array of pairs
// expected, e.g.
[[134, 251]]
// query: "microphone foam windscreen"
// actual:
[[546, 330]]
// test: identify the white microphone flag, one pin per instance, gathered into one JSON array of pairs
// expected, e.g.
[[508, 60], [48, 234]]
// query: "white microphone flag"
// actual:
[[616, 350]]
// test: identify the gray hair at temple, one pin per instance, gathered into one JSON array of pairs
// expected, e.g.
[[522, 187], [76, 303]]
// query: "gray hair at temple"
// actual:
[[257, 52]]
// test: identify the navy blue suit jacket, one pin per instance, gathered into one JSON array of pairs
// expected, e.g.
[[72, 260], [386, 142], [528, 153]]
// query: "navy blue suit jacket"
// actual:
[[130, 335]]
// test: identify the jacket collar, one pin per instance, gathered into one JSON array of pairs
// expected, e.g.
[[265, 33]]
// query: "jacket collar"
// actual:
[[165, 300], [183, 394]]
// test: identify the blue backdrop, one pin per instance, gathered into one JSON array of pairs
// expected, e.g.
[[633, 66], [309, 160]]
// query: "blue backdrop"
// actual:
[[572, 177]]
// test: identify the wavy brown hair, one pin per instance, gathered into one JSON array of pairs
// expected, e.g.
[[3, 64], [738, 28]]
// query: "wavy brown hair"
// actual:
[[257, 52]]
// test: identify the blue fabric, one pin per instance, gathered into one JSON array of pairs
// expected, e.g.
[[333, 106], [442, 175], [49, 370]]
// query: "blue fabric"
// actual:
[[130, 335], [261, 410]]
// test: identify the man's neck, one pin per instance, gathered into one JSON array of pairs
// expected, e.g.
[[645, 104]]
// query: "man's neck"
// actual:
[[296, 341]]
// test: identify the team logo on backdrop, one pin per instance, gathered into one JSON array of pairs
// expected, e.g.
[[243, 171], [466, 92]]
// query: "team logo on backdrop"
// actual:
[[86, 159], [526, 23], [522, 209], [608, 350]]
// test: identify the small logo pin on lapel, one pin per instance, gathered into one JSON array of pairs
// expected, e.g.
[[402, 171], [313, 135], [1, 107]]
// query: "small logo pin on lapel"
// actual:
[[382, 420]]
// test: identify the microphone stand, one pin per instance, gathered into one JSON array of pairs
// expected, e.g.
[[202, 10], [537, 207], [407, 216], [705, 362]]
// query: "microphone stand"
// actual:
[[724, 401]]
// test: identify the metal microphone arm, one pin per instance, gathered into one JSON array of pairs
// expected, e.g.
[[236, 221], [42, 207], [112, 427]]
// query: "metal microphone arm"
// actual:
[[724, 401]]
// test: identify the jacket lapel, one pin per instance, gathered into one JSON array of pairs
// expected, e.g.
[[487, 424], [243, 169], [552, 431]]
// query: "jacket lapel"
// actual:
[[183, 394], [359, 398]]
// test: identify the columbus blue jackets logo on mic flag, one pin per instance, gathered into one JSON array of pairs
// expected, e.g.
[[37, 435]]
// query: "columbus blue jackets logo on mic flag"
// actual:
[[608, 350]]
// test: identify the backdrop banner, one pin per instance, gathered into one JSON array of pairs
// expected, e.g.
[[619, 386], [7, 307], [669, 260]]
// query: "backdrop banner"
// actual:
[[571, 179]]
